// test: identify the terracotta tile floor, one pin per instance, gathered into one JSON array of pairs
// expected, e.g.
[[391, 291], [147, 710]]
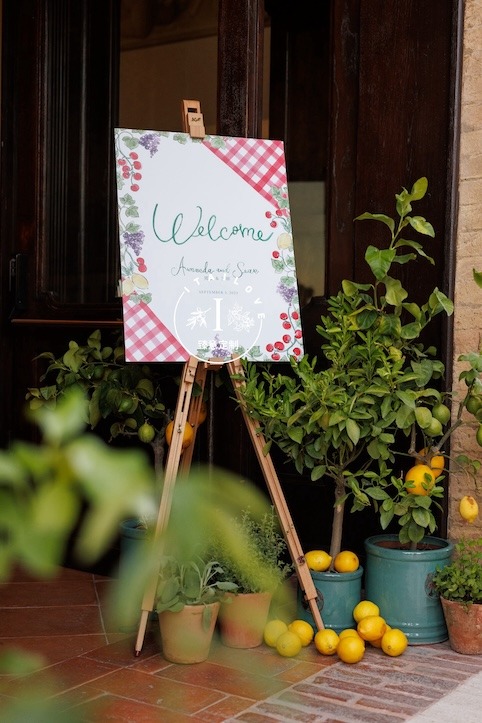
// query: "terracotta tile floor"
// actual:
[[94, 675]]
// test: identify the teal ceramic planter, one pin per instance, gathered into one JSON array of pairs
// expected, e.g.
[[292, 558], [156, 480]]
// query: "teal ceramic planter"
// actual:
[[400, 583], [338, 593]]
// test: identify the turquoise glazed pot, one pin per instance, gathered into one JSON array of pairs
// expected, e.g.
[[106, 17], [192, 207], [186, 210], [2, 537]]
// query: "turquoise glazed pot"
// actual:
[[399, 581], [338, 593]]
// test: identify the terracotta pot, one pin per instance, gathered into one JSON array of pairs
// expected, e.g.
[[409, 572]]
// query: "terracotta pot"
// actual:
[[242, 620], [464, 625], [187, 635]]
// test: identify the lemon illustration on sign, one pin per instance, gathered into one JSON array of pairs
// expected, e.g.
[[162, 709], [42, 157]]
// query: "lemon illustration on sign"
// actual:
[[365, 608], [318, 560], [285, 241], [288, 644], [326, 641], [187, 437], [394, 642], [419, 479], [351, 649], [346, 561], [468, 508], [272, 630], [303, 630], [372, 627]]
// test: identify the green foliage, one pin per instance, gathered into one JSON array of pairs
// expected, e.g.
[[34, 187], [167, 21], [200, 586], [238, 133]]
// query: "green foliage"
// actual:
[[197, 581], [461, 580], [128, 395], [252, 551], [343, 415]]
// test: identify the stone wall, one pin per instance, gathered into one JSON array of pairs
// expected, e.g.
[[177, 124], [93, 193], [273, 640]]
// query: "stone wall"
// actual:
[[468, 296]]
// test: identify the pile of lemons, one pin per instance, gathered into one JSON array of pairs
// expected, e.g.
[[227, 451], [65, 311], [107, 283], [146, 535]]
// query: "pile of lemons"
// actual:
[[349, 645]]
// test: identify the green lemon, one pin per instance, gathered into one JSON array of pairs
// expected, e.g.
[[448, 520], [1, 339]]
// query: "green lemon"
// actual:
[[146, 432], [473, 404], [441, 412], [478, 435], [434, 429]]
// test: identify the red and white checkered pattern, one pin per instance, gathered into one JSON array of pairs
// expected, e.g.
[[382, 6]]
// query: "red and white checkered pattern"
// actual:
[[260, 162], [147, 338]]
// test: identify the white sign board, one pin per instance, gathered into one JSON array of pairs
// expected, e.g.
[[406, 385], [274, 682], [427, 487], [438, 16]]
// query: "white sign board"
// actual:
[[206, 249]]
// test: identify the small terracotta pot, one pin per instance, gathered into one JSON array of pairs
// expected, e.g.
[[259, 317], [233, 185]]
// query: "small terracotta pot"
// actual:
[[187, 635], [242, 620], [464, 625]]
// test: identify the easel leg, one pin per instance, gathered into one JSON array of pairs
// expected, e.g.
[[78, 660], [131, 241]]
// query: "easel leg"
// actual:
[[279, 502]]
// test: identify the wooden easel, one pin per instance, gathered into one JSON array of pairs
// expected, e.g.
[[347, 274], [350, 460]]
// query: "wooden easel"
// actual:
[[187, 412]]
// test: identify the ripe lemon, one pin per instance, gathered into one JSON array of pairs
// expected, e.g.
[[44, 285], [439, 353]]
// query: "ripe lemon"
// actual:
[[394, 642], [288, 644], [378, 642], [351, 649], [326, 641], [187, 437], [303, 630], [203, 412], [365, 608], [372, 627], [419, 479], [435, 462], [318, 560], [272, 630], [468, 508], [346, 561], [347, 633]]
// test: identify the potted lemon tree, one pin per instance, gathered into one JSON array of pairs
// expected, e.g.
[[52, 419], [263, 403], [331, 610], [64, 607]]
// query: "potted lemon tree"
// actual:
[[375, 397]]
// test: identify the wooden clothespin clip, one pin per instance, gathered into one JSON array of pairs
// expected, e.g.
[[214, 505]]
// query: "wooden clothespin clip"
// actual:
[[193, 121]]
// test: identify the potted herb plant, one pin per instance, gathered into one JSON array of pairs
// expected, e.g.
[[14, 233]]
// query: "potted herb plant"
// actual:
[[376, 395], [459, 585], [253, 556], [189, 593]]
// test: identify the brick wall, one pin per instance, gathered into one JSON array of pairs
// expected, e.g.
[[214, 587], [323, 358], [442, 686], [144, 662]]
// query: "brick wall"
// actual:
[[467, 296]]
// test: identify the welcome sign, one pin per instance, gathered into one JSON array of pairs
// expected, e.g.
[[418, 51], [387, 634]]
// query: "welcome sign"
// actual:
[[206, 248]]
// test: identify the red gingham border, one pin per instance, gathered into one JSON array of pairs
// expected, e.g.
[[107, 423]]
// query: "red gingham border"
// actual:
[[147, 338]]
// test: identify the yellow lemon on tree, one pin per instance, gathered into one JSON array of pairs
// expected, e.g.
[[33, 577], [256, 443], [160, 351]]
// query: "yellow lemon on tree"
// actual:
[[436, 462], [365, 608], [419, 479], [318, 560], [187, 437], [346, 561], [326, 641], [468, 508], [303, 630], [351, 649], [272, 630], [394, 642], [288, 644], [372, 627]]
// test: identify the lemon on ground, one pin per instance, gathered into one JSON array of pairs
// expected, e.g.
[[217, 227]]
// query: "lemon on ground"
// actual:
[[394, 642], [347, 632], [372, 627], [468, 508], [436, 462], [351, 649], [346, 561], [365, 608], [187, 437], [378, 642], [272, 630], [326, 641], [303, 630], [419, 479], [288, 644], [318, 560]]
